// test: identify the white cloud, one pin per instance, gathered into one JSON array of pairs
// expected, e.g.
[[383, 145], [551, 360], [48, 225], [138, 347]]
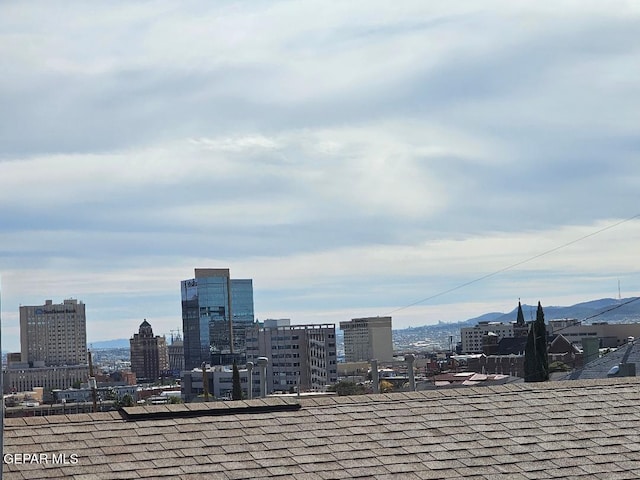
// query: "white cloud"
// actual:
[[350, 157]]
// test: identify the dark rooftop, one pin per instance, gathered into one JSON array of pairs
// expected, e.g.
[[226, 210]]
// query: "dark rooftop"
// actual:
[[581, 429], [600, 367]]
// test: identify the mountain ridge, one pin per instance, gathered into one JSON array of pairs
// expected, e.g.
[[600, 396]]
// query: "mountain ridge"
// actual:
[[610, 310]]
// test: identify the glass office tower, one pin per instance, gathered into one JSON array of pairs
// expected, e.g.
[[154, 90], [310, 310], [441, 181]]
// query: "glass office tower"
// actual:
[[216, 311]]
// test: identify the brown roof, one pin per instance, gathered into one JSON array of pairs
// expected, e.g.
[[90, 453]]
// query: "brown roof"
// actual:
[[581, 429]]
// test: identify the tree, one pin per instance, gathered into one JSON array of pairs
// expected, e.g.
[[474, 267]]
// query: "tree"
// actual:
[[127, 400], [386, 386], [347, 388], [236, 392], [558, 367], [536, 362]]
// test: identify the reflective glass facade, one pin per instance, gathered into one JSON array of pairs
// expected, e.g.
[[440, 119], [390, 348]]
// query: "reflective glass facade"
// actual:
[[208, 300]]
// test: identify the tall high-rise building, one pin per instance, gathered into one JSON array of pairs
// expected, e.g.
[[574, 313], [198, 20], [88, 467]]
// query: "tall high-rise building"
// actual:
[[367, 338], [149, 356], [300, 356], [54, 334], [216, 311]]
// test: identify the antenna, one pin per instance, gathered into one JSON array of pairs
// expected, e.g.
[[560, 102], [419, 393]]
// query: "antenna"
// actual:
[[619, 296]]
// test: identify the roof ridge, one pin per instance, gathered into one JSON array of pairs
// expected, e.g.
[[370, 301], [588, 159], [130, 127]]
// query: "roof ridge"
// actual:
[[217, 408], [469, 392]]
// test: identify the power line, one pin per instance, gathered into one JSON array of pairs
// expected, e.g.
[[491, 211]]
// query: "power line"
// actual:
[[514, 265], [612, 308]]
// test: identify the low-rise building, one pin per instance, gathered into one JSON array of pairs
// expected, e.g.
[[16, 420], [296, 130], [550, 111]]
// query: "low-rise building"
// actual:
[[512, 365], [85, 394], [219, 380], [610, 335], [472, 337], [20, 378], [485, 336]]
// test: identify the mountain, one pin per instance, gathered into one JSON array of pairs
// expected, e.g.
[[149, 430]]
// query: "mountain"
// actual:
[[612, 310], [487, 317], [119, 343]]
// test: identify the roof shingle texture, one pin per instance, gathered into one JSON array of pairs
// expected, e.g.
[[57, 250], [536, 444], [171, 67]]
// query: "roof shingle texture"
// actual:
[[582, 429], [599, 368]]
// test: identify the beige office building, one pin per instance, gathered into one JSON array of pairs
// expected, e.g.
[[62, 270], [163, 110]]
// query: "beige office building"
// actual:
[[367, 338], [54, 334], [610, 335], [472, 336]]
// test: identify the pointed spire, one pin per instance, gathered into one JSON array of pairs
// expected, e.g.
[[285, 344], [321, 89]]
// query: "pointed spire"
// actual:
[[520, 318]]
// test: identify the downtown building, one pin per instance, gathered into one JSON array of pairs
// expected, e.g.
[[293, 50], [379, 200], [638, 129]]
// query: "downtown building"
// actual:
[[219, 380], [54, 334], [53, 344], [175, 352], [481, 337], [367, 338], [149, 354], [216, 312], [300, 356]]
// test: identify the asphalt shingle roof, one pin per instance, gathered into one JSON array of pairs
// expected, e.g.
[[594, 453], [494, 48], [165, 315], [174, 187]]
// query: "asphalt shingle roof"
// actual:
[[580, 429], [599, 368]]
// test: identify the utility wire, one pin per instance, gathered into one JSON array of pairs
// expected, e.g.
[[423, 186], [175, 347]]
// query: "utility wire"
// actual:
[[634, 299], [612, 308], [514, 265]]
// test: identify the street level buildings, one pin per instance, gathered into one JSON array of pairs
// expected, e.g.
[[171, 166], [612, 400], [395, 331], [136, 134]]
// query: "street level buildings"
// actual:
[[367, 338], [216, 311], [219, 380], [300, 356], [149, 356], [20, 377]]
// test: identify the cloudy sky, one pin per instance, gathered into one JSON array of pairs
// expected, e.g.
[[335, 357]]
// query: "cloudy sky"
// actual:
[[352, 158]]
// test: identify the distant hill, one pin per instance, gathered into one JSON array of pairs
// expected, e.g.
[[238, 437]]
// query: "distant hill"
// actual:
[[119, 343], [487, 317], [609, 310]]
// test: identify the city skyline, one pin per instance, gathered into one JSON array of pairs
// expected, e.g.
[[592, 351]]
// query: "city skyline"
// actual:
[[352, 159]]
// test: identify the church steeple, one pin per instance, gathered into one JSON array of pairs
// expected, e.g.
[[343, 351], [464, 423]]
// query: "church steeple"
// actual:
[[520, 318], [520, 329]]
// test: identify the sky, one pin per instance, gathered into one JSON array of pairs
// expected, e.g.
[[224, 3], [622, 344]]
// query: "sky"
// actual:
[[352, 158]]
